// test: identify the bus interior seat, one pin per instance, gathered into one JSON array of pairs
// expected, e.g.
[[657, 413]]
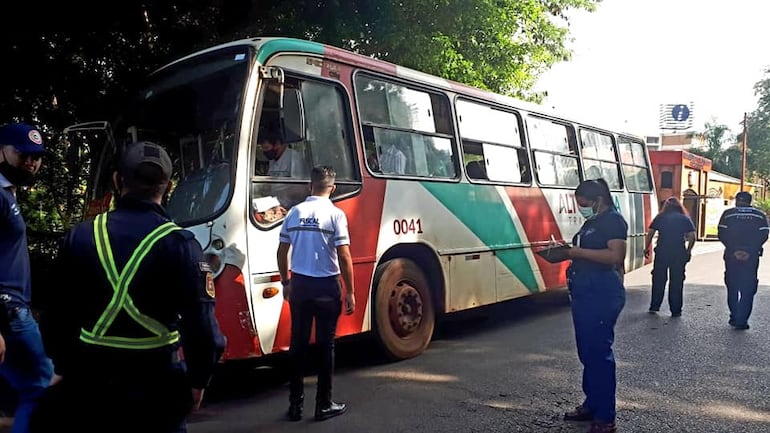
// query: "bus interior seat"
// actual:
[[476, 170]]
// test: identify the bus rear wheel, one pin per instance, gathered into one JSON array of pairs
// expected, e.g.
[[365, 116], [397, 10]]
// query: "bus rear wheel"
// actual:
[[403, 309]]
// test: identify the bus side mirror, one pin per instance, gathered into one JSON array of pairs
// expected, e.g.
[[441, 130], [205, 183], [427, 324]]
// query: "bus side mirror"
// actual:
[[292, 116]]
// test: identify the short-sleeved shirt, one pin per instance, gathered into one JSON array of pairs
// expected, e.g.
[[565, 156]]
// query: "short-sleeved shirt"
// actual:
[[15, 278], [314, 229], [596, 232], [289, 164], [393, 161], [672, 227], [743, 228]]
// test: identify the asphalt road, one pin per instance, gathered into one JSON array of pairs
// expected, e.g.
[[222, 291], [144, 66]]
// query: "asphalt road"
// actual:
[[514, 368]]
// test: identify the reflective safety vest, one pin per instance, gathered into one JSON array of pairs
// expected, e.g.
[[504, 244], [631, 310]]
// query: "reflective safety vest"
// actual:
[[120, 281]]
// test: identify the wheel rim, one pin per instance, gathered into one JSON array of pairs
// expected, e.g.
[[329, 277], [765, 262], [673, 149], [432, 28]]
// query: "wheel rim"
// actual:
[[405, 309]]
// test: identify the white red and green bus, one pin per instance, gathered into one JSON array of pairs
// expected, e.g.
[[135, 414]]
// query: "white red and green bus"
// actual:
[[484, 181]]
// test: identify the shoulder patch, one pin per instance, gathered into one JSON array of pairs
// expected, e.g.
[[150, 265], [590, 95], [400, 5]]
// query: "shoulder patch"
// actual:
[[210, 284], [204, 267]]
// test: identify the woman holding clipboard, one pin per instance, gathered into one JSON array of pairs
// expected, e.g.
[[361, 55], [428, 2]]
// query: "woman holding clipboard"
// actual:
[[595, 281]]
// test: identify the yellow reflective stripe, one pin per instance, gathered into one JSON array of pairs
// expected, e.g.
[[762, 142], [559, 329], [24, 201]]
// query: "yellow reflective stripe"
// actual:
[[129, 342], [121, 299], [104, 251], [127, 275], [147, 322]]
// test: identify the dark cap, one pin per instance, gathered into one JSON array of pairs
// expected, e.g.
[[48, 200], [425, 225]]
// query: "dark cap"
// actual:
[[743, 197], [25, 138], [145, 152]]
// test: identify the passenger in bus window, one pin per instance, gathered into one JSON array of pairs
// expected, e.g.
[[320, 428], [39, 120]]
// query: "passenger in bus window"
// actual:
[[597, 294], [392, 160], [674, 228], [283, 161]]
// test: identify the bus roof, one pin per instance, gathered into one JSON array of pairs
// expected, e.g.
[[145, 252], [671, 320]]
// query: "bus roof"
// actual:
[[266, 47]]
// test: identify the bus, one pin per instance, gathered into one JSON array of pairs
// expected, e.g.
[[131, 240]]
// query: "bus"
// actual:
[[449, 190]]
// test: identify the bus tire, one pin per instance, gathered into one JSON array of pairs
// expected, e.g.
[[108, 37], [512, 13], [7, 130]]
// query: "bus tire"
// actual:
[[403, 309]]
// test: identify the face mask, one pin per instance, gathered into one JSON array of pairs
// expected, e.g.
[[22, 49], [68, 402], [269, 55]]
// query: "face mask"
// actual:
[[15, 175], [586, 211], [271, 154]]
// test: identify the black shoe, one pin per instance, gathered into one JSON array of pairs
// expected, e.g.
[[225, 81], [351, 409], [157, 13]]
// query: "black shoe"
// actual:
[[329, 411], [731, 322], [295, 412], [579, 414], [653, 310], [741, 327]]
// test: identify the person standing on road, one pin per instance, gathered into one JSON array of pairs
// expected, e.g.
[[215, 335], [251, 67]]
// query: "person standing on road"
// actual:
[[23, 362], [595, 282], [141, 289], [674, 227], [317, 232], [743, 230]]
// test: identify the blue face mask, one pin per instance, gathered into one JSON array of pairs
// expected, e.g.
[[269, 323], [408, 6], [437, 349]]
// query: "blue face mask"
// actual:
[[586, 211]]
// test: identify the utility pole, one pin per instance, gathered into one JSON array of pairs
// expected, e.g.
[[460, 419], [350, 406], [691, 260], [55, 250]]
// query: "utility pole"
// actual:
[[743, 150]]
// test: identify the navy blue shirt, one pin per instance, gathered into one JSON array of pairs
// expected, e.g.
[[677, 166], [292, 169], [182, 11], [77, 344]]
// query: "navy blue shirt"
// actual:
[[594, 235], [671, 227], [743, 228], [15, 279], [170, 286]]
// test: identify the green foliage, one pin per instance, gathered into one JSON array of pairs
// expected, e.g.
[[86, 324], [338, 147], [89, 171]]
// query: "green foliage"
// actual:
[[762, 204], [725, 160]]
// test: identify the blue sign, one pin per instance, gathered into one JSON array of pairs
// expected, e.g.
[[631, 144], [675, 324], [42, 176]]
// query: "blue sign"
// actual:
[[680, 112]]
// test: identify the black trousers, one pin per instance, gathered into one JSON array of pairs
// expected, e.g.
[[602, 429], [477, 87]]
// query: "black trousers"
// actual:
[[668, 267], [105, 401], [313, 299]]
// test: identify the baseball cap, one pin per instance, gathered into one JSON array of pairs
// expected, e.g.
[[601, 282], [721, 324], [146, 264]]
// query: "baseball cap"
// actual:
[[743, 196], [25, 138], [145, 152]]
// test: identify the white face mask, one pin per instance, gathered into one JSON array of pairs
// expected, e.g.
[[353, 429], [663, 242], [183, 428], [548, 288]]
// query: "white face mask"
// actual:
[[586, 211]]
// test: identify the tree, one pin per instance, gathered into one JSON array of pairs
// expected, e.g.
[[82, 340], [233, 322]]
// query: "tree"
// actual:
[[758, 149], [724, 159]]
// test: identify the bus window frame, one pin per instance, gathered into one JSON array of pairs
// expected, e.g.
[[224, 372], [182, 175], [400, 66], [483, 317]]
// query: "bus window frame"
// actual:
[[522, 139], [615, 152], [254, 135], [647, 168], [572, 131], [412, 85]]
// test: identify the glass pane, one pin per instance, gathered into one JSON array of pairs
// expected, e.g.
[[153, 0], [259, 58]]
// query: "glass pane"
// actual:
[[557, 170], [597, 145], [599, 169], [638, 151], [485, 124], [637, 178], [271, 201], [626, 156], [546, 135], [384, 103], [502, 163], [411, 154], [632, 152], [325, 123]]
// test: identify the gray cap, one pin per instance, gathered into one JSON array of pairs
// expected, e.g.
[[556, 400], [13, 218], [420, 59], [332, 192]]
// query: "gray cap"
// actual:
[[145, 152]]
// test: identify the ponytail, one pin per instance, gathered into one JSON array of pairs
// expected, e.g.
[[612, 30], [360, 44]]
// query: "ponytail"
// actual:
[[606, 192]]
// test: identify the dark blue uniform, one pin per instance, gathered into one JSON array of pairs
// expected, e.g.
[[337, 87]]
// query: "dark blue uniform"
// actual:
[[671, 256], [598, 297], [745, 229], [119, 389]]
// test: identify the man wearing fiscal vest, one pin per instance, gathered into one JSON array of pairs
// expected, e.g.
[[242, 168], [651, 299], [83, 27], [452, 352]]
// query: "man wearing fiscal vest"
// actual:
[[135, 288]]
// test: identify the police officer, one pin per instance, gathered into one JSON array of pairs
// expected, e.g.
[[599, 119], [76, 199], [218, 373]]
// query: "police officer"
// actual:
[[23, 362], [598, 296], [317, 231], [671, 256], [743, 230], [134, 287]]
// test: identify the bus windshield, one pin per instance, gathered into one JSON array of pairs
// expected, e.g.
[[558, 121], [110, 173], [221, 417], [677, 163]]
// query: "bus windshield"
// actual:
[[193, 109]]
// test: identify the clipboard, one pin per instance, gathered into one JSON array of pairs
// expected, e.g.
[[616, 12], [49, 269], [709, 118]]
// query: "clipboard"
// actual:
[[554, 254]]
